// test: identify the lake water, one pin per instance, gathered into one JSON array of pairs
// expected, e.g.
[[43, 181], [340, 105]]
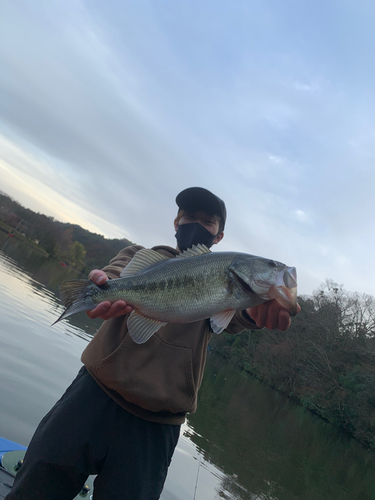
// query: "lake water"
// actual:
[[246, 441]]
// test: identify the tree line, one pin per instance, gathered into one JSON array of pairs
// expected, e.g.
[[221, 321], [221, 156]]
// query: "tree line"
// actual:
[[326, 360], [68, 243]]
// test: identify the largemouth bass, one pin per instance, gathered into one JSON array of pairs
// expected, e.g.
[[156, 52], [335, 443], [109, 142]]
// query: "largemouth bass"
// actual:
[[195, 285]]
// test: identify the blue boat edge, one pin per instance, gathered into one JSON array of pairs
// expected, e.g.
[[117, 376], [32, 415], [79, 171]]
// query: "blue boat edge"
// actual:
[[7, 474], [8, 445]]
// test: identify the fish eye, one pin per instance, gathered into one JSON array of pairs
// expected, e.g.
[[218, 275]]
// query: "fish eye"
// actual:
[[272, 263]]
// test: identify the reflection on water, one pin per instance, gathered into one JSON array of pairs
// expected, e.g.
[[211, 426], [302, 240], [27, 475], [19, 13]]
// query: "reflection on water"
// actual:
[[271, 448], [245, 441]]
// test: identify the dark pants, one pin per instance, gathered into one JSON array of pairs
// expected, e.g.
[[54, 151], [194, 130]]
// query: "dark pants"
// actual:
[[86, 433]]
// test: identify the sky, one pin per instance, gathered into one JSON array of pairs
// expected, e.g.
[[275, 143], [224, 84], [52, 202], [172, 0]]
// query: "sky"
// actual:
[[109, 109]]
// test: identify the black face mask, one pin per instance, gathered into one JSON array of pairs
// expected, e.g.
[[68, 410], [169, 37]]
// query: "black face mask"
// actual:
[[194, 233]]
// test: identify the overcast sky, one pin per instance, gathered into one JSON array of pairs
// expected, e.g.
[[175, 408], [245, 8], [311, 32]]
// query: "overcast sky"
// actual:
[[109, 109]]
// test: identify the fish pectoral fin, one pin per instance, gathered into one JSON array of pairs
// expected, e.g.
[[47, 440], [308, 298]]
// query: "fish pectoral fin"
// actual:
[[221, 320], [142, 259], [194, 251], [142, 328]]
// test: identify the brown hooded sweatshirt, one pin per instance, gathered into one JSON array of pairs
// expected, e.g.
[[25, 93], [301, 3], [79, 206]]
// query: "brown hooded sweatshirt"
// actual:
[[158, 380]]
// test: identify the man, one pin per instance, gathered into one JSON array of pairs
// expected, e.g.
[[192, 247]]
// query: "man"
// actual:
[[121, 416]]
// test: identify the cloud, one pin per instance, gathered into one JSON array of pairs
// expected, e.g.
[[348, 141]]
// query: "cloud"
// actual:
[[40, 197], [108, 111], [308, 87], [302, 216]]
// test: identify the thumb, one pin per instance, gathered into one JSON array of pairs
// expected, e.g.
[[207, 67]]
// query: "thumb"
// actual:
[[98, 277]]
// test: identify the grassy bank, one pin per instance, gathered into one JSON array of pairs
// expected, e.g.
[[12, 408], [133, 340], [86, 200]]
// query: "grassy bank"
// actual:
[[6, 230], [326, 360]]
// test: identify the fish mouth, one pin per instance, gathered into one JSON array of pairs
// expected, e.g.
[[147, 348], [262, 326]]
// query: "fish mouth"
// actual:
[[260, 285], [285, 290], [286, 297]]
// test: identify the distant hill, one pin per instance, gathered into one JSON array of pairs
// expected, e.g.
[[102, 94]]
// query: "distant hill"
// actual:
[[67, 242]]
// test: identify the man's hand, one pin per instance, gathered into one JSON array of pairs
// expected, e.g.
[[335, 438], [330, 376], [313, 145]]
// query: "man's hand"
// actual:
[[271, 315], [106, 310]]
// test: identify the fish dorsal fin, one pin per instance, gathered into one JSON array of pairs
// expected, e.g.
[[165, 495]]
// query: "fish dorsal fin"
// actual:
[[142, 328], [194, 251], [142, 259], [221, 320]]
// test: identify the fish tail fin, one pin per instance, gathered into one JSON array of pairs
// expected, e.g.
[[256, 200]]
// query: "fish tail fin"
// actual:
[[76, 296]]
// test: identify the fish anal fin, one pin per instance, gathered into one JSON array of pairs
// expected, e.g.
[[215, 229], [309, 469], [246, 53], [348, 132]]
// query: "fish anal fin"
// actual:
[[142, 328], [194, 251], [142, 259], [221, 320]]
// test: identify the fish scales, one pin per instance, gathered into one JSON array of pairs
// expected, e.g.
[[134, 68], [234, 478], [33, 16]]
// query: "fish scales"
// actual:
[[190, 287], [195, 285]]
